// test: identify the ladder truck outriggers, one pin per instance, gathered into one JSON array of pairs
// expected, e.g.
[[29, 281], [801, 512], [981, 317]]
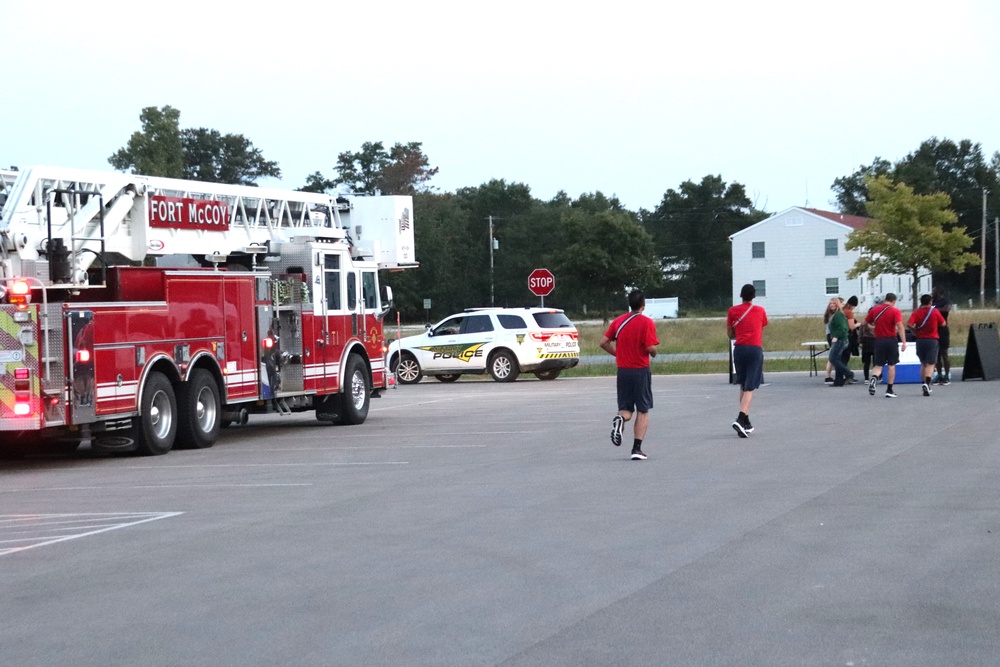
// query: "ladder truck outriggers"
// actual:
[[139, 312]]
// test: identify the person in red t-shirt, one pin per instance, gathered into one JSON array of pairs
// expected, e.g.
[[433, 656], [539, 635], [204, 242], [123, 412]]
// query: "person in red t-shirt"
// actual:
[[745, 323], [631, 339], [924, 323], [888, 324]]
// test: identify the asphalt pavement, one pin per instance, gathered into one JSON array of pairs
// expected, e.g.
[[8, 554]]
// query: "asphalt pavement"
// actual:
[[479, 523]]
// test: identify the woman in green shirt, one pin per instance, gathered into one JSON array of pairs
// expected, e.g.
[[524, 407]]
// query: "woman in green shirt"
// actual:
[[838, 343]]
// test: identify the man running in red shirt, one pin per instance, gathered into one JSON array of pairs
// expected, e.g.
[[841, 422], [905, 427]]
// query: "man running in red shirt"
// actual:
[[745, 323], [631, 339], [924, 322], [888, 324]]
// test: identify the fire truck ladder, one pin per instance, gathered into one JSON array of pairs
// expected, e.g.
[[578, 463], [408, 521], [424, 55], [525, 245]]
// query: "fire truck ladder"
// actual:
[[101, 213], [62, 259]]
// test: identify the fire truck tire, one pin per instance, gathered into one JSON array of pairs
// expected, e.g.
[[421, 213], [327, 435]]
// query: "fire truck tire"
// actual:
[[357, 392], [198, 411], [408, 369], [503, 367], [157, 423]]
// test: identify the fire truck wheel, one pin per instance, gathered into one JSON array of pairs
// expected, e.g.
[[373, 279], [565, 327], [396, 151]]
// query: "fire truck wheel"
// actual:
[[408, 371], [198, 410], [356, 391], [503, 367], [157, 425]]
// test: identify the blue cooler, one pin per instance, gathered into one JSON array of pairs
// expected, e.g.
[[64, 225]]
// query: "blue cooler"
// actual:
[[908, 368]]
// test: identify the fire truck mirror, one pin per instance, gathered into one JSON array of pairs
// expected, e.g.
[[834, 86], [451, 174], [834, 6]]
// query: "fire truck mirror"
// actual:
[[386, 302]]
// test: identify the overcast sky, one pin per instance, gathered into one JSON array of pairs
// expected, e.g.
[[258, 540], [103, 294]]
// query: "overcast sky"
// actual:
[[627, 98]]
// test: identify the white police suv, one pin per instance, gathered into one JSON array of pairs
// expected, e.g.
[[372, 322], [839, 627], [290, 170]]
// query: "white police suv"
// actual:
[[503, 342]]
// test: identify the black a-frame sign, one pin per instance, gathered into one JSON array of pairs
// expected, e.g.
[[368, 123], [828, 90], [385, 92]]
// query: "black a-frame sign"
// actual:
[[982, 353]]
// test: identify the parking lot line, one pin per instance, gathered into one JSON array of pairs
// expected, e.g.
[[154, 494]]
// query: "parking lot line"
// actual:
[[27, 522]]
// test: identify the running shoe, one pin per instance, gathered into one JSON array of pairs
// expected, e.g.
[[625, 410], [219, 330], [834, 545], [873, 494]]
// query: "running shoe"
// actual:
[[617, 425]]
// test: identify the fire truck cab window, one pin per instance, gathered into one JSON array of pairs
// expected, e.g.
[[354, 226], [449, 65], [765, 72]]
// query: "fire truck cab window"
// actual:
[[331, 281], [352, 290], [369, 290]]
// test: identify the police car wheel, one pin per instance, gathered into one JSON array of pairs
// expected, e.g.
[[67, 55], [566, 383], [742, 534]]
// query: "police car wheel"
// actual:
[[408, 370], [548, 375], [451, 377], [503, 367]]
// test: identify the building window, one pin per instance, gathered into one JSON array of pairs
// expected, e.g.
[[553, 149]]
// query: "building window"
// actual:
[[833, 286], [757, 250], [830, 247], [760, 286]]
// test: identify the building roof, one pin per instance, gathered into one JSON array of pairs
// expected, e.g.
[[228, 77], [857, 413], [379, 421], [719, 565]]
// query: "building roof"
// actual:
[[852, 221]]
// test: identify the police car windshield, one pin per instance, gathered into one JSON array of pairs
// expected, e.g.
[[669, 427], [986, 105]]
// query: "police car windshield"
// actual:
[[552, 320]]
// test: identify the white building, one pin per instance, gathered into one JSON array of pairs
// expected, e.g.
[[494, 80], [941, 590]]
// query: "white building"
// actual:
[[796, 260]]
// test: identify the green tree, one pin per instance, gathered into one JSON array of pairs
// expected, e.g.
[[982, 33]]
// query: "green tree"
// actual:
[[958, 169], [607, 252], [161, 148], [155, 150], [852, 191], [513, 210], [402, 170], [231, 158], [441, 235], [909, 233], [407, 172], [691, 229], [316, 182]]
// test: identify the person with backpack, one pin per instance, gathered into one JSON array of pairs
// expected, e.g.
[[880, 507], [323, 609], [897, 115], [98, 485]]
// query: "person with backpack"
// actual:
[[631, 340], [745, 324], [926, 322], [888, 324]]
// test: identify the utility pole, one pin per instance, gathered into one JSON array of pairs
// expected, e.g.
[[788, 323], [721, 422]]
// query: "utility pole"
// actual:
[[492, 243], [996, 259], [982, 264]]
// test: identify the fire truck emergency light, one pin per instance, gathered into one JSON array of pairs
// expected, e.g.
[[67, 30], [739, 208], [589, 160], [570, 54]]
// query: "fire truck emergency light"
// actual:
[[20, 295], [82, 356]]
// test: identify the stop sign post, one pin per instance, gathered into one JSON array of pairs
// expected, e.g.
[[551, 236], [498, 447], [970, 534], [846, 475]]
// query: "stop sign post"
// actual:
[[541, 282]]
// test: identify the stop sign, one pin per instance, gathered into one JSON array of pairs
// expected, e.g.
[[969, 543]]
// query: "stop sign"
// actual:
[[541, 282]]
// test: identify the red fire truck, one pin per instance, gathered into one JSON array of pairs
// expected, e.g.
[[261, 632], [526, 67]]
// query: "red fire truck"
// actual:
[[142, 313]]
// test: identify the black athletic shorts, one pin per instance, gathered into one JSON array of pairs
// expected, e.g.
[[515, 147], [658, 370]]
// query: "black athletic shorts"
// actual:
[[886, 351], [749, 363], [927, 350], [635, 389]]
